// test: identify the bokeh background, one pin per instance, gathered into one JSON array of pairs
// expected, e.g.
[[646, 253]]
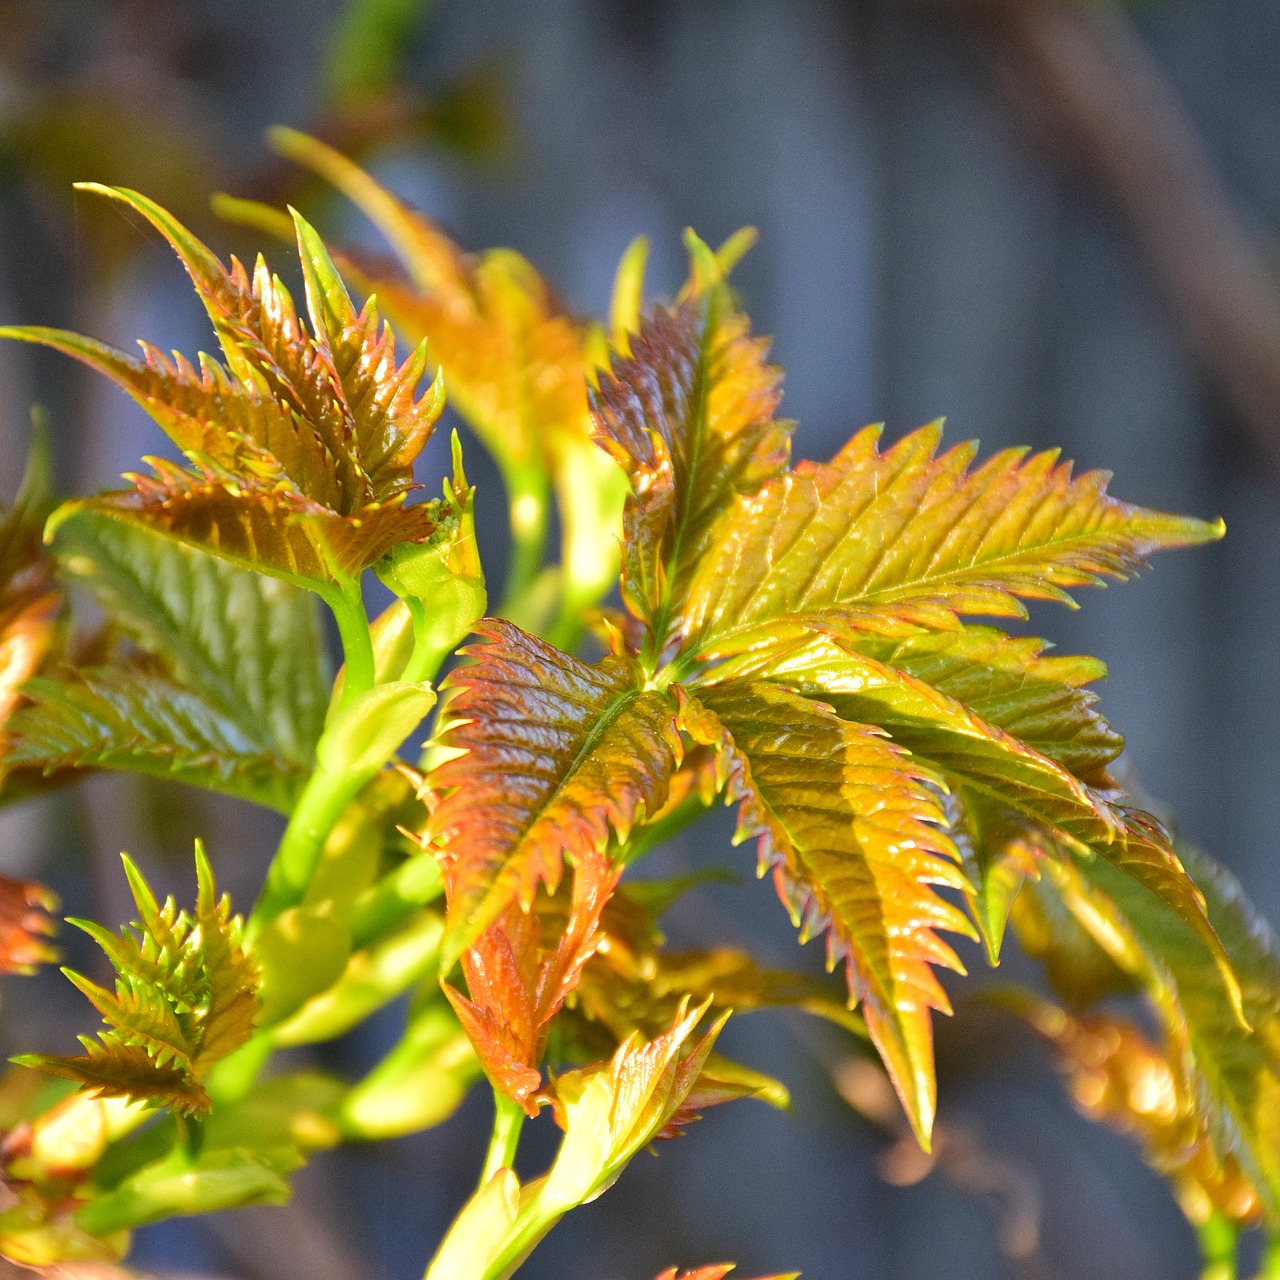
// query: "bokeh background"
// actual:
[[1049, 220]]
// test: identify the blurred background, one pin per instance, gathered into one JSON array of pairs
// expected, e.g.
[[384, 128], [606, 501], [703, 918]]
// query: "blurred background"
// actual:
[[1051, 221]]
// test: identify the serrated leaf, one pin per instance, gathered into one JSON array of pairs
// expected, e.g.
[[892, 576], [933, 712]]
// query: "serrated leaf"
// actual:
[[137, 718], [184, 999], [514, 361], [885, 542], [251, 647], [853, 833], [971, 755], [560, 759], [518, 980], [301, 448], [690, 416]]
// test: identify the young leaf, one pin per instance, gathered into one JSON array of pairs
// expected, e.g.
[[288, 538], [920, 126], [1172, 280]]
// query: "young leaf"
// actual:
[[689, 414], [1234, 1065], [517, 984], [514, 362], [560, 758], [251, 647], [183, 999], [232, 697], [972, 756], [854, 835], [301, 448], [884, 542]]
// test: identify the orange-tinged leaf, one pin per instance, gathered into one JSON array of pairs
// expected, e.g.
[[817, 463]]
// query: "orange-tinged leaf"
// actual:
[[853, 833], [254, 522], [971, 755], [888, 541], [717, 1271], [690, 416], [512, 359], [517, 984], [559, 758], [25, 925], [301, 448]]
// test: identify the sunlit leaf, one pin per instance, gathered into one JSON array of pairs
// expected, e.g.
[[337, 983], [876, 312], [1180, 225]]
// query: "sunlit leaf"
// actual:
[[1235, 1068], [301, 447], [689, 414], [560, 759], [1118, 1076], [883, 541], [854, 836], [184, 998], [517, 980], [137, 718]]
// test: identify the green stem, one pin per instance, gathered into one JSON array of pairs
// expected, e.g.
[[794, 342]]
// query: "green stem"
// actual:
[[323, 801], [429, 652], [662, 829], [330, 788], [529, 493], [357, 644], [1218, 1248], [236, 1074], [508, 1120]]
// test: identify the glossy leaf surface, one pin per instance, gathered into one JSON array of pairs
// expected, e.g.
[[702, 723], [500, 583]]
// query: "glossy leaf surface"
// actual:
[[856, 840], [561, 758], [881, 541]]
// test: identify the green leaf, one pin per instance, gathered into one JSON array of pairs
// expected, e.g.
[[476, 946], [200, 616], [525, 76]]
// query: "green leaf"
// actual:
[[184, 999], [560, 758], [689, 414], [886, 542], [972, 756], [250, 647], [1236, 1069], [138, 719], [854, 836]]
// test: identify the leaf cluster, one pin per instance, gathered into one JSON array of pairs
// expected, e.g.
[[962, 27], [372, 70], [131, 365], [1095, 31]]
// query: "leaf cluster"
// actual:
[[184, 998]]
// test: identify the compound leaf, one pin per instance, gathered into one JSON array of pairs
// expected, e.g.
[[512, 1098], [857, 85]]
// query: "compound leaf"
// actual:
[[301, 447], [251, 647], [137, 718], [689, 414]]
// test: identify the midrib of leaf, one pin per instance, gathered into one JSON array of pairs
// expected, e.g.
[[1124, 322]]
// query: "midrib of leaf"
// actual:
[[745, 635], [684, 497]]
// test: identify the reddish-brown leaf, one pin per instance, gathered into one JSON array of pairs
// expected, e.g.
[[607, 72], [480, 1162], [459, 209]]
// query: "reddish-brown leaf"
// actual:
[[690, 415], [557, 759], [518, 980]]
